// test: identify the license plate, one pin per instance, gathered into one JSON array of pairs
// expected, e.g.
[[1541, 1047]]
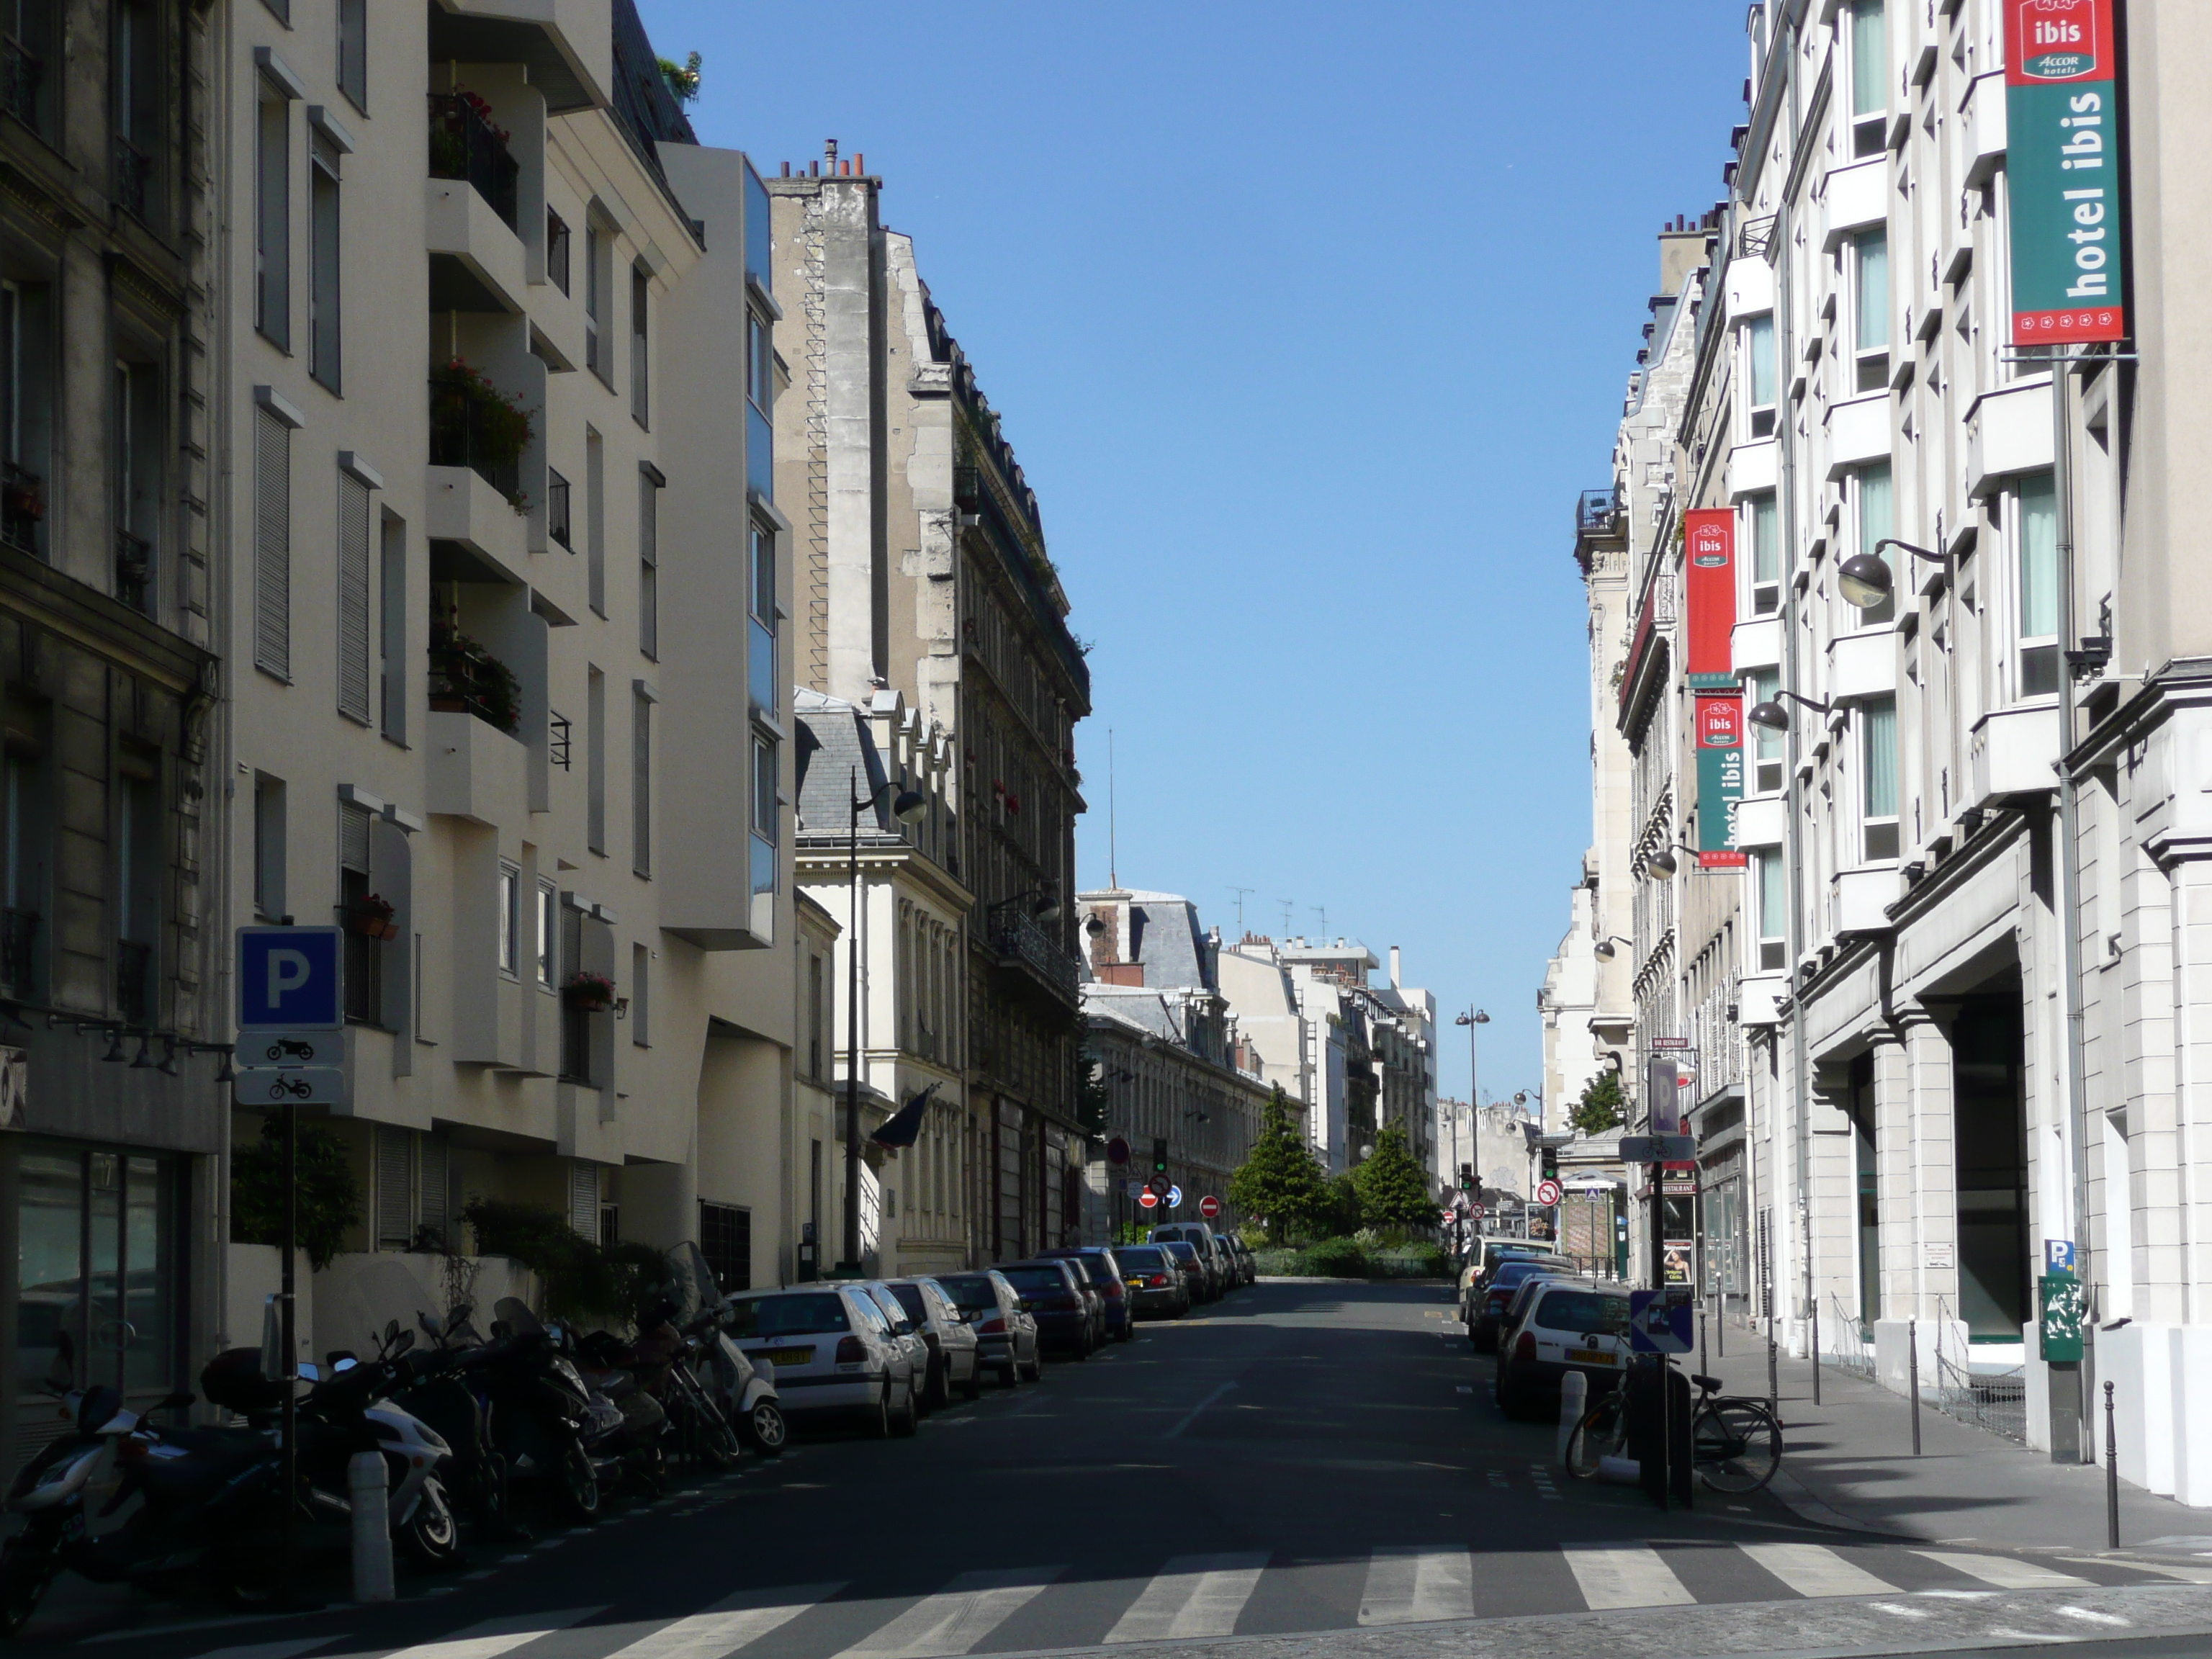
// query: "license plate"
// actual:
[[787, 1356], [1590, 1357]]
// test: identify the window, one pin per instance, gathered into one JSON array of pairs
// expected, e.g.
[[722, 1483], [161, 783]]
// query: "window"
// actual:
[[323, 262], [353, 52], [556, 510], [510, 921], [392, 1169], [598, 277], [548, 923], [268, 847], [1758, 376], [138, 472], [272, 219], [364, 951], [641, 781], [24, 412], [649, 562], [24, 843], [557, 250], [392, 629], [595, 761], [760, 363], [2035, 527], [641, 995], [1768, 762], [575, 1023], [272, 543], [138, 107], [27, 47], [1871, 309], [814, 991], [1877, 520], [726, 1239], [1877, 756], [764, 836], [595, 521], [1765, 556], [137, 885], [641, 287], [1870, 78], [762, 679], [353, 641]]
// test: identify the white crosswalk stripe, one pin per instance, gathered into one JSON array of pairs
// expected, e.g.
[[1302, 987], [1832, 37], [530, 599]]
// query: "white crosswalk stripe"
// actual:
[[2004, 1571], [1814, 1570], [1192, 1595], [257, 1649], [732, 1623], [957, 1617], [1412, 1584], [496, 1636], [1624, 1576]]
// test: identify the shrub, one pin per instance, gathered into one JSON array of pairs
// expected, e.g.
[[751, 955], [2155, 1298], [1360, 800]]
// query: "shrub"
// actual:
[[1337, 1258], [329, 1194]]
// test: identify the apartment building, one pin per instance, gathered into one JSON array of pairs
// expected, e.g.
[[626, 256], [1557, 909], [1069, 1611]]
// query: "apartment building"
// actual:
[[923, 568], [113, 998], [507, 694]]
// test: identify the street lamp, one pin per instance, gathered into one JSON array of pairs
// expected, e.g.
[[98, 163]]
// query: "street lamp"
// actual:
[[1471, 1019], [1603, 949], [907, 808], [1865, 579], [1772, 716]]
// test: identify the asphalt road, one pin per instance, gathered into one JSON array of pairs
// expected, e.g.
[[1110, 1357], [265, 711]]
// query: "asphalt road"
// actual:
[[1303, 1468]]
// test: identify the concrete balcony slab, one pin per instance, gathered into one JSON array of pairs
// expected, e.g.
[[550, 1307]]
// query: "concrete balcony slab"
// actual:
[[474, 771]]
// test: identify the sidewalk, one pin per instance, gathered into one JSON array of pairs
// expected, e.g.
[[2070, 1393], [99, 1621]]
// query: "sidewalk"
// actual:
[[1848, 1461]]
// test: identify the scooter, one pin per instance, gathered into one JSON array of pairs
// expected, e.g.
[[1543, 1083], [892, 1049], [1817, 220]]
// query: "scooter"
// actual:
[[744, 1396], [541, 1410], [436, 1387]]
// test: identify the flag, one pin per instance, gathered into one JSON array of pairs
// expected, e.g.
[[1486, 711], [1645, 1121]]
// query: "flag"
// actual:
[[903, 1126]]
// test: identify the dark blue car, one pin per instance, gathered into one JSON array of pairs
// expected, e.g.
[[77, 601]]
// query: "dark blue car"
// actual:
[[1053, 1294], [1105, 1270]]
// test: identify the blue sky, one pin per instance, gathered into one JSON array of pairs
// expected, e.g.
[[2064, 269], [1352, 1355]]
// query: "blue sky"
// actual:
[[1307, 323]]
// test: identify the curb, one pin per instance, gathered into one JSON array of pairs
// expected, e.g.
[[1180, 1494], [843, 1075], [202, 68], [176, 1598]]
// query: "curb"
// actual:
[[1802, 1502]]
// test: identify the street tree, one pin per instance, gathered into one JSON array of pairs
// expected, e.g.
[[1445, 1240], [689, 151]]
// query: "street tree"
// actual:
[[1280, 1183], [1602, 1108], [1394, 1192]]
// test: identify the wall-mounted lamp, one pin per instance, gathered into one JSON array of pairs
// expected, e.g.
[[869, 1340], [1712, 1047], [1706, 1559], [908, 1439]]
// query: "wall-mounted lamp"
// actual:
[[1865, 579], [1603, 949], [1772, 716]]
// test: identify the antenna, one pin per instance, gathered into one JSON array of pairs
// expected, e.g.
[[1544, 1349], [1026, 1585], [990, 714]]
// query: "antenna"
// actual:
[[1288, 906], [1240, 892], [1113, 853], [1321, 910]]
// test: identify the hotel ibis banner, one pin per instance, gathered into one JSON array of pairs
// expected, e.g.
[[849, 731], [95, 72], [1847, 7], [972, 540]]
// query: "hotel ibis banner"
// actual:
[[1709, 606], [1720, 779], [2063, 169]]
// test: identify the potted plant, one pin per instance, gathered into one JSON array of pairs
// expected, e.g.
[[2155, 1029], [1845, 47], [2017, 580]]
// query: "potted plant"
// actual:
[[372, 916], [589, 992]]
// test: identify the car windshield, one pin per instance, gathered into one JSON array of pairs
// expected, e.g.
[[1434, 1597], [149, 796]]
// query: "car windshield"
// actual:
[[1140, 1258], [1187, 1255], [1513, 1272], [1589, 1311], [909, 1297], [969, 1292], [1083, 1268], [810, 1314], [1104, 1268], [1031, 1281]]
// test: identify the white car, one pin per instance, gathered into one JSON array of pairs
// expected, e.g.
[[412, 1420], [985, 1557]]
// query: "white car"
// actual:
[[952, 1340], [1566, 1325], [908, 1332], [834, 1353]]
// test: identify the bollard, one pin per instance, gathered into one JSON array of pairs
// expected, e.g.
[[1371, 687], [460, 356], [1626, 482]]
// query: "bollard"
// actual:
[[371, 1526], [1574, 1400], [2112, 1475], [1912, 1376]]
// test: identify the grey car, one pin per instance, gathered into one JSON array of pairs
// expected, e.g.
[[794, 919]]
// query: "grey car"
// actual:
[[1197, 1276], [905, 1332], [1156, 1284], [1005, 1335], [953, 1357]]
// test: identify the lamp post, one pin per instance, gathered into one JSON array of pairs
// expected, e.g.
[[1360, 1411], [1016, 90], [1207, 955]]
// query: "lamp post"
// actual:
[[907, 808], [1471, 1019]]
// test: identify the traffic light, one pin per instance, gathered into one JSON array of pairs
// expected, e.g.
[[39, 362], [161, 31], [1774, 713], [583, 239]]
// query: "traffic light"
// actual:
[[1159, 1155], [1467, 1177], [1548, 1159]]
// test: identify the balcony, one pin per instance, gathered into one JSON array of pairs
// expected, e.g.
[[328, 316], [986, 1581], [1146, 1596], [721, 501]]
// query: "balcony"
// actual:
[[1023, 945], [1594, 510], [467, 679], [22, 508], [465, 145], [473, 425], [134, 571], [22, 82], [19, 941], [474, 772]]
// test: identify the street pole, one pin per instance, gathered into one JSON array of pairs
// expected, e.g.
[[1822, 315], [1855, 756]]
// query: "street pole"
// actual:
[[851, 1263], [289, 1328]]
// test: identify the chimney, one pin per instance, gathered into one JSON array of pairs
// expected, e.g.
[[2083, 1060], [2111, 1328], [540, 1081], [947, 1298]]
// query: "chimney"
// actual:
[[1394, 967]]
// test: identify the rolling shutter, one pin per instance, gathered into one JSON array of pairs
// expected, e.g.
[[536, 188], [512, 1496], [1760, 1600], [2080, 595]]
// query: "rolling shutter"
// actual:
[[353, 599], [584, 1200], [431, 1210], [272, 544], [395, 1187]]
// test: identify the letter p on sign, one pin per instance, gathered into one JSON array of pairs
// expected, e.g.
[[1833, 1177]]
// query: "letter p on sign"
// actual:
[[290, 979]]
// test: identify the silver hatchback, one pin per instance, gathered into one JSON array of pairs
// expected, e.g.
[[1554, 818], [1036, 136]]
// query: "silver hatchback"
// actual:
[[834, 1353]]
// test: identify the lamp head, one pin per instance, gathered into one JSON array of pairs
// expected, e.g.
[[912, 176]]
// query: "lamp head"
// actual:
[[1661, 866], [1770, 716], [910, 806], [1049, 911], [144, 1058], [1865, 581], [1603, 950]]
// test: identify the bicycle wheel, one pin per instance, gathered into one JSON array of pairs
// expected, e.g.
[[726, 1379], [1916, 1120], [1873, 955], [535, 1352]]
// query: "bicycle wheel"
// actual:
[[1735, 1444], [1602, 1433]]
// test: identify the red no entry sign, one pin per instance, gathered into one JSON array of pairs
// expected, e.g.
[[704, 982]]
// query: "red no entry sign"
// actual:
[[1148, 1198], [1209, 1206], [1117, 1151]]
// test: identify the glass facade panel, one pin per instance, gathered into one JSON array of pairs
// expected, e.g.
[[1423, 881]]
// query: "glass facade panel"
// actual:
[[758, 234], [760, 455], [1873, 294], [2039, 558], [1762, 361], [1869, 58], [49, 1271]]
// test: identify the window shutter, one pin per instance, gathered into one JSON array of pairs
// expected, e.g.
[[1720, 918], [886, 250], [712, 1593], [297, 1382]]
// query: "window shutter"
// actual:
[[272, 544], [353, 838], [395, 1187], [353, 598], [584, 1200], [431, 1207], [641, 784]]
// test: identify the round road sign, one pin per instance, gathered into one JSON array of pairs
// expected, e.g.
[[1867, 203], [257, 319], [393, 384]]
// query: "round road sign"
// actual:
[[1117, 1151], [1175, 1198], [1547, 1192], [1209, 1206], [1148, 1198], [1474, 1210]]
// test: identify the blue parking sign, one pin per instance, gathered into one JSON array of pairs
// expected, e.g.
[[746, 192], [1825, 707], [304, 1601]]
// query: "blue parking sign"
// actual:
[[290, 978], [1660, 1322]]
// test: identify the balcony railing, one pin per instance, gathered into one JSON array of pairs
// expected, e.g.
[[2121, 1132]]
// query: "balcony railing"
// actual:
[[19, 939], [462, 433], [134, 983], [467, 679], [1020, 941], [1594, 512], [465, 144], [22, 79], [134, 177], [134, 571], [23, 506], [556, 509]]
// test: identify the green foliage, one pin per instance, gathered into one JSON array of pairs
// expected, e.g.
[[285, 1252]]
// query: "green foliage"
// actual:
[[1091, 1096], [1133, 1232], [583, 1280], [1394, 1193], [329, 1195], [1603, 1107], [1280, 1184], [1336, 1258], [683, 78]]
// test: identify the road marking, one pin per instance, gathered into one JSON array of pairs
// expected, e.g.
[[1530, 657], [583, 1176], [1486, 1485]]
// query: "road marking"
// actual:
[[2088, 1616], [1191, 1416], [2005, 1572], [1461, 1388], [258, 1649], [1192, 1595], [2186, 1574], [1624, 1576], [957, 1617], [1413, 1583], [492, 1637], [1815, 1569], [731, 1623]]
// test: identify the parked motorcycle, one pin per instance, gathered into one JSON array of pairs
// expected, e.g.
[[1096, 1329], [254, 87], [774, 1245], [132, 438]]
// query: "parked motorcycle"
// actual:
[[541, 1410]]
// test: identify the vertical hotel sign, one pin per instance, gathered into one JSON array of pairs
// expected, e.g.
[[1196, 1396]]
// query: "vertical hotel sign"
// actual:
[[2063, 170], [1708, 665]]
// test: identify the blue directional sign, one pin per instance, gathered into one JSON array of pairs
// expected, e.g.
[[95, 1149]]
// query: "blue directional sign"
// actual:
[[290, 979], [1175, 1198], [1660, 1322]]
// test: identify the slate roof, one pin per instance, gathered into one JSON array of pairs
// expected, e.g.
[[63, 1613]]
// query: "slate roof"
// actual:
[[1165, 936], [834, 738]]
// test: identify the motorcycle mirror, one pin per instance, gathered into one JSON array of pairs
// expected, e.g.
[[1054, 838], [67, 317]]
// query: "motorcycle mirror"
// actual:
[[401, 1340], [391, 1330]]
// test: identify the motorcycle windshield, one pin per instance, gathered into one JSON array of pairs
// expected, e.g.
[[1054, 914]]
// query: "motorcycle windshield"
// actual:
[[514, 1313]]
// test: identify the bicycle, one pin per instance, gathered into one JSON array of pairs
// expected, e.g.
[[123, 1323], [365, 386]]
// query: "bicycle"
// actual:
[[1735, 1444]]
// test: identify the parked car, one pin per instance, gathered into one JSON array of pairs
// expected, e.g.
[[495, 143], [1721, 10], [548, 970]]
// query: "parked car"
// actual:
[[1195, 1276], [1105, 1270], [908, 1335], [1155, 1281], [1480, 1269], [1006, 1333], [951, 1339], [1485, 1302], [834, 1353], [1567, 1325], [1200, 1237], [1094, 1294], [1232, 1271], [1248, 1266], [1053, 1292]]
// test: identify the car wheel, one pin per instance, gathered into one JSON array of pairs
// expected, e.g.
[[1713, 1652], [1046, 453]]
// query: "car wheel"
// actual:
[[909, 1420], [941, 1383], [973, 1388], [1034, 1372], [876, 1419], [766, 1428]]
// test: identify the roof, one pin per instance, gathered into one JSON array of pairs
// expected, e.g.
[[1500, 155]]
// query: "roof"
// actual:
[[1163, 936], [834, 741]]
